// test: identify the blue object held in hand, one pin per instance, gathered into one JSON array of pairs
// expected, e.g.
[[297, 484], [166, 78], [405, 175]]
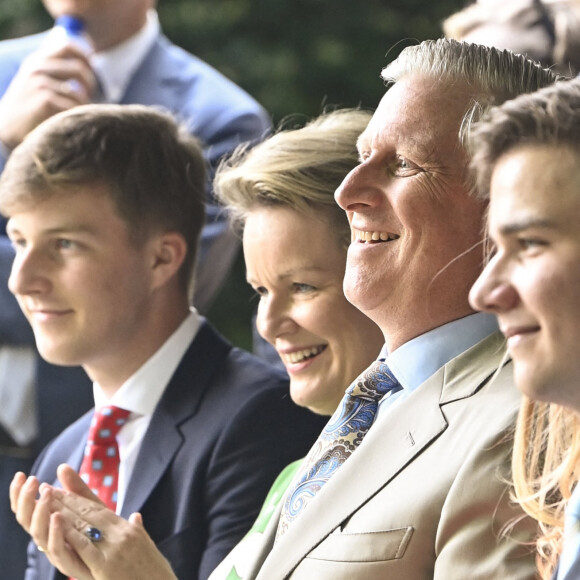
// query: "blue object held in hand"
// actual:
[[71, 29]]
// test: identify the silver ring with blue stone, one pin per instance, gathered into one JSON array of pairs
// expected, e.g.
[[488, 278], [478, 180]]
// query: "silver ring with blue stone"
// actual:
[[94, 534]]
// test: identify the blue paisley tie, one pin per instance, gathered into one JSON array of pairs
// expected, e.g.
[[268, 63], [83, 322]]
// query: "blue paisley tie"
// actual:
[[341, 436]]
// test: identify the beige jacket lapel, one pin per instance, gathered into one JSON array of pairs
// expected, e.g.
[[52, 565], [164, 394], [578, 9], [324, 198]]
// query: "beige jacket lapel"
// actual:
[[391, 444]]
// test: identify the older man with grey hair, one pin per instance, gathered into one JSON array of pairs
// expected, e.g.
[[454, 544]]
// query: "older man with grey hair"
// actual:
[[425, 494]]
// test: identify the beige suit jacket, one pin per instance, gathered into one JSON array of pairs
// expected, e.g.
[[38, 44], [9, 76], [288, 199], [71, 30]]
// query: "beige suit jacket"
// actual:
[[425, 495]]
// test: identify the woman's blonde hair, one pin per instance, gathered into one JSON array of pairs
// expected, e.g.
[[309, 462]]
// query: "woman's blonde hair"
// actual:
[[546, 462], [295, 168]]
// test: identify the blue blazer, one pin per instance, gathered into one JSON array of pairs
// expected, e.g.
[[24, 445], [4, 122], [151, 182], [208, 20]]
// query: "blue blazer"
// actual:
[[223, 430]]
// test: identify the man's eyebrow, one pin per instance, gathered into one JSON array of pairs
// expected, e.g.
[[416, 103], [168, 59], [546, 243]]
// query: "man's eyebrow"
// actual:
[[63, 229], [410, 145], [517, 226]]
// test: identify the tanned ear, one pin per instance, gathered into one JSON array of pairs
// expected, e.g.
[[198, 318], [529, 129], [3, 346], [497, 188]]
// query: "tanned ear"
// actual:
[[169, 251]]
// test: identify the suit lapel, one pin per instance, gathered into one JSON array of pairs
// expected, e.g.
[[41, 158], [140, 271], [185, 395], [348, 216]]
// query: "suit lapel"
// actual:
[[156, 80], [179, 403], [77, 455], [394, 442], [463, 378], [388, 447]]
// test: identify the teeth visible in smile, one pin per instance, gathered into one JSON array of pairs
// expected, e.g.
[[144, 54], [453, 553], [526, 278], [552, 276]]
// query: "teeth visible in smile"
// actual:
[[367, 237], [301, 355]]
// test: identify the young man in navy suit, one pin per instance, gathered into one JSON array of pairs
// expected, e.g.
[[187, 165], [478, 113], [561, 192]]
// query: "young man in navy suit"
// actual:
[[41, 75], [105, 207]]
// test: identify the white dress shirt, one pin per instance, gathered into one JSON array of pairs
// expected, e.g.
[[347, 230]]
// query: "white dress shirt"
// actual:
[[115, 67], [141, 393], [571, 549]]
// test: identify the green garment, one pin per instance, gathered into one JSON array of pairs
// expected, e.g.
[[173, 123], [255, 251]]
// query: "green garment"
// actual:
[[234, 561]]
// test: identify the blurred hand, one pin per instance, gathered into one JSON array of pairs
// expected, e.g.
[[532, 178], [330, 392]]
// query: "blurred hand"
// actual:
[[48, 82]]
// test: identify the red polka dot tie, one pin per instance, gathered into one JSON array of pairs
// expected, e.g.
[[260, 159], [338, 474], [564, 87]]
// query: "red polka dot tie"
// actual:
[[100, 466]]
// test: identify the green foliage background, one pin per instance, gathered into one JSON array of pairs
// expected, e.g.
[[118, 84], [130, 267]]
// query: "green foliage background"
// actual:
[[295, 56]]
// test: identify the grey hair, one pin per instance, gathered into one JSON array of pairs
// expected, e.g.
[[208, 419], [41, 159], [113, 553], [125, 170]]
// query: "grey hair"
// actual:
[[493, 75]]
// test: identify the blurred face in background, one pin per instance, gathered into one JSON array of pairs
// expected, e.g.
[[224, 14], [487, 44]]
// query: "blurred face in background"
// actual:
[[295, 263], [108, 22], [532, 283]]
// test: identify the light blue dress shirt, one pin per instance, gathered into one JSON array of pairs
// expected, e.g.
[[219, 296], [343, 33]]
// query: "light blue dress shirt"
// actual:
[[571, 551], [415, 361]]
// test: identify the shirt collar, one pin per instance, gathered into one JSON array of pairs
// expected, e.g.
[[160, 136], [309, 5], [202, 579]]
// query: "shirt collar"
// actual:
[[115, 67], [415, 361], [141, 392]]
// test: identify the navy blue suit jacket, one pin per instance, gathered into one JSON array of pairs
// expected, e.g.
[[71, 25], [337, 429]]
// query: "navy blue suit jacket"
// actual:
[[221, 433]]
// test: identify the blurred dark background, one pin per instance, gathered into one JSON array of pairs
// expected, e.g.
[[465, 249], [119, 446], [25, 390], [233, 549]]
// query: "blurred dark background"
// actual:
[[297, 57]]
